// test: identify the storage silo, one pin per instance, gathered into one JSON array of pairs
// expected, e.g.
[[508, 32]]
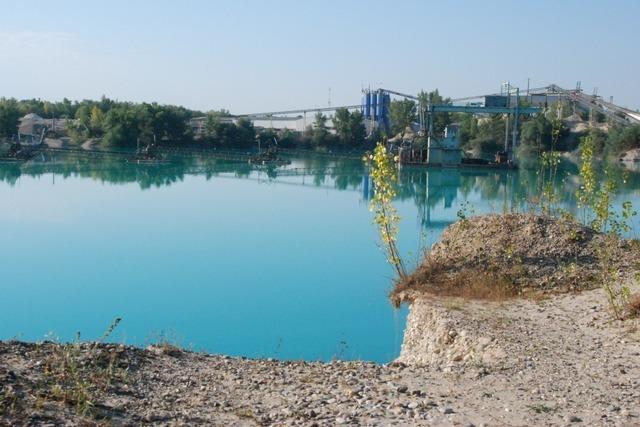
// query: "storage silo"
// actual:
[[367, 108], [374, 104], [380, 106]]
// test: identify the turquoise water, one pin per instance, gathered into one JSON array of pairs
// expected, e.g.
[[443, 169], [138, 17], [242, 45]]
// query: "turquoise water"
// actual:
[[220, 257]]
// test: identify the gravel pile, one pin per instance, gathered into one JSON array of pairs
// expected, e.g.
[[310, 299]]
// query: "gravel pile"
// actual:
[[534, 253]]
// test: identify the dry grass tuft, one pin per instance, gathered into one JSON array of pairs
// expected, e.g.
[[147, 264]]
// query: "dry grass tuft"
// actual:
[[481, 285], [633, 307], [473, 283], [10, 400]]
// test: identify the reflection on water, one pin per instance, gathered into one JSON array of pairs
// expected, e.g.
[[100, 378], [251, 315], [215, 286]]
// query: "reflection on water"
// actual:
[[427, 187], [225, 256]]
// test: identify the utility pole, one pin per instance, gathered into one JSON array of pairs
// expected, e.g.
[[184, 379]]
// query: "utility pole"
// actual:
[[506, 85], [559, 110], [515, 123], [430, 124], [506, 133]]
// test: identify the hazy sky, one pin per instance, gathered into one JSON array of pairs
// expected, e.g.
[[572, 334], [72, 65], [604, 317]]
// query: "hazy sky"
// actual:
[[252, 56]]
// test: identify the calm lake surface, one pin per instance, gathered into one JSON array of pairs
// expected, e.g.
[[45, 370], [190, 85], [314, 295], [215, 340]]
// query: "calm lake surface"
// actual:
[[217, 256]]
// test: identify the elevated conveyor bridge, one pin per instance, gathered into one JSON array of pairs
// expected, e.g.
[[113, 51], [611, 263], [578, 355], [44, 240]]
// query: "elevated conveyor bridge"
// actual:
[[616, 113]]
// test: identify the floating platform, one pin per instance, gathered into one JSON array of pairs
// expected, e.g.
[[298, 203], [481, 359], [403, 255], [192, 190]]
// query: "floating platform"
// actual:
[[145, 161], [12, 160], [464, 165], [270, 158], [17, 154], [267, 162]]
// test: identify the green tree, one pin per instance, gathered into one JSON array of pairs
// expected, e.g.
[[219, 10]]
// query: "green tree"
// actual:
[[9, 117], [106, 104], [48, 109], [623, 139], [468, 129], [320, 132], [97, 120], [490, 135], [148, 126], [402, 114], [76, 131], [211, 126], [286, 138], [599, 138], [349, 126], [121, 126], [66, 108], [226, 133], [246, 132], [440, 120], [383, 172], [535, 135], [170, 123], [83, 116], [341, 120], [357, 129]]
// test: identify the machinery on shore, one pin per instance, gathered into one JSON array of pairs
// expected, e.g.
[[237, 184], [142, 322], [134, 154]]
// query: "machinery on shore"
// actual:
[[148, 155], [269, 157], [18, 153]]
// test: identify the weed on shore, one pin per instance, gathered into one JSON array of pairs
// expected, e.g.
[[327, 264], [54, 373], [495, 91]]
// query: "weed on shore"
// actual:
[[632, 308], [474, 283], [75, 371]]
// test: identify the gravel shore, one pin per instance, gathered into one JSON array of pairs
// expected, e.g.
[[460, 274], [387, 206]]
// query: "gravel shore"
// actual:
[[564, 362]]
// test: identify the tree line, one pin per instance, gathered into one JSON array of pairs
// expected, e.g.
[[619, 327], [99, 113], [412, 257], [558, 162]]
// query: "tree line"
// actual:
[[121, 124], [116, 123]]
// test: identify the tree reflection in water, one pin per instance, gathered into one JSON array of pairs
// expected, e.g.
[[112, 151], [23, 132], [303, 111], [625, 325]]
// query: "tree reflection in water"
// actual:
[[500, 190]]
